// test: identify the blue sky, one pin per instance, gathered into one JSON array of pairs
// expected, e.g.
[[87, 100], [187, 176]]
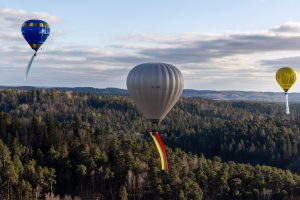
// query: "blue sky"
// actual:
[[219, 45], [111, 18]]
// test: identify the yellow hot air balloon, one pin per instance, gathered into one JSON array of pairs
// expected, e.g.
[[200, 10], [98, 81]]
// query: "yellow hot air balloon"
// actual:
[[286, 78]]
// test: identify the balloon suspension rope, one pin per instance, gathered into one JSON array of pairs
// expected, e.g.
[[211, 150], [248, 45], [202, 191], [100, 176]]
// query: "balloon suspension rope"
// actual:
[[161, 150], [287, 109], [29, 65]]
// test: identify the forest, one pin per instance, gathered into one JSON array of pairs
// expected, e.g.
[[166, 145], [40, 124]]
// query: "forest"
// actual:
[[89, 146]]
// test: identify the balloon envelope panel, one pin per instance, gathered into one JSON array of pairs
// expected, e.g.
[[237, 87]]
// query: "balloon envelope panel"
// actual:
[[35, 32], [155, 88], [286, 77]]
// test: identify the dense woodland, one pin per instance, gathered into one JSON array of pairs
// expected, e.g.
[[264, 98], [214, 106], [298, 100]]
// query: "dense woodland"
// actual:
[[93, 146]]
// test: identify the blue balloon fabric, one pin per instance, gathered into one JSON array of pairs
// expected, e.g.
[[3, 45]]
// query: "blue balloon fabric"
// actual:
[[35, 32]]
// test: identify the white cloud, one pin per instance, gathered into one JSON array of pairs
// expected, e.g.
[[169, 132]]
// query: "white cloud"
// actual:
[[289, 28], [11, 21]]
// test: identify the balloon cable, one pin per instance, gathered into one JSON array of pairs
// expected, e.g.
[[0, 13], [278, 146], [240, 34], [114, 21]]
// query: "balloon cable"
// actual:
[[29, 65], [287, 109]]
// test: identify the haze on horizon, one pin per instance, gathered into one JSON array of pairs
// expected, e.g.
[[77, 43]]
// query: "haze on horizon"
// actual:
[[230, 45]]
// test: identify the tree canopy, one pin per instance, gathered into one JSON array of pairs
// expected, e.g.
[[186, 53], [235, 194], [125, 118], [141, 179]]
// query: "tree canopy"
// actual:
[[98, 146]]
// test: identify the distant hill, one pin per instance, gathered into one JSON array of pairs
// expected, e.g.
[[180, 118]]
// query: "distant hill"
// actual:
[[207, 94], [242, 95], [108, 91]]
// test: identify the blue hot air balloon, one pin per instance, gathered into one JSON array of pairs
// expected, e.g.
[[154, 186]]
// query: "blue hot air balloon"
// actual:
[[35, 32]]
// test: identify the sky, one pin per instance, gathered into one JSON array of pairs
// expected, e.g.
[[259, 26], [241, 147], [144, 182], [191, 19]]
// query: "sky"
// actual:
[[217, 45]]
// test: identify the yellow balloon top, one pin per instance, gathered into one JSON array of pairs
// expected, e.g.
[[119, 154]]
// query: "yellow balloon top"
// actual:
[[286, 77]]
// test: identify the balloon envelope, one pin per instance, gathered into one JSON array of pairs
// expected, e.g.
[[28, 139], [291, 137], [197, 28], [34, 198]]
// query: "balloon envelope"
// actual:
[[35, 32], [155, 88], [286, 77]]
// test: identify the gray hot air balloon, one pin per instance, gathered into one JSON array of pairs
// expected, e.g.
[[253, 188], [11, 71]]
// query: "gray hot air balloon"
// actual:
[[155, 88]]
